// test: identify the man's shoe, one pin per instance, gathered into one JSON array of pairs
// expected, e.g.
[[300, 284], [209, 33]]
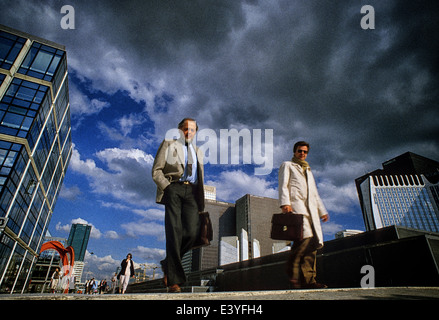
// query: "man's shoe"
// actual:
[[175, 288]]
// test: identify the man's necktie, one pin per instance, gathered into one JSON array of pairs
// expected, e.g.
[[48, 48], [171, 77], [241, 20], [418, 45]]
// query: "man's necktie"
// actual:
[[189, 161]]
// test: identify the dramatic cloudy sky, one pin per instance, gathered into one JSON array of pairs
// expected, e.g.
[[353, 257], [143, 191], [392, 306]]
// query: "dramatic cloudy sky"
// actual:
[[305, 69]]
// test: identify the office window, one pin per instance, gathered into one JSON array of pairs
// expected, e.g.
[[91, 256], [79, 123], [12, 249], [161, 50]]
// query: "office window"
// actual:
[[10, 47], [19, 107], [8, 155], [41, 62]]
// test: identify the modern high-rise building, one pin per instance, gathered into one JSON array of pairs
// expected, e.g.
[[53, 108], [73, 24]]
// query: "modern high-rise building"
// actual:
[[222, 215], [241, 231], [35, 148], [404, 193], [209, 192], [78, 239], [253, 226]]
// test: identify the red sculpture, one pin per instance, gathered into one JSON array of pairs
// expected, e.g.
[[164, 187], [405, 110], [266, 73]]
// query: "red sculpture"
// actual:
[[62, 253]]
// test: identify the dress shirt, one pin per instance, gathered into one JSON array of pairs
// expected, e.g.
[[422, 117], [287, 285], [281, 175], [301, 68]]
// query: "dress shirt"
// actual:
[[192, 178]]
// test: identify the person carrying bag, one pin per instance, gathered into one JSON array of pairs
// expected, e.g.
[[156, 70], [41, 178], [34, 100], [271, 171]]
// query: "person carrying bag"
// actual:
[[298, 196]]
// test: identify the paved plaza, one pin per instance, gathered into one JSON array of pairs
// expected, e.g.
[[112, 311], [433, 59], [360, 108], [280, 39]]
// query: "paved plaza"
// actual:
[[387, 293]]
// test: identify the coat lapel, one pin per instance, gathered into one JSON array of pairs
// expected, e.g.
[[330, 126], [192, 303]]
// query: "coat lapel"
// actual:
[[299, 169], [178, 153]]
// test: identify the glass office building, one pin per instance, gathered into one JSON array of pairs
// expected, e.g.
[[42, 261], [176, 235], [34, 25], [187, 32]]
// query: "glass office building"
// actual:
[[404, 193], [35, 148], [78, 239], [409, 201]]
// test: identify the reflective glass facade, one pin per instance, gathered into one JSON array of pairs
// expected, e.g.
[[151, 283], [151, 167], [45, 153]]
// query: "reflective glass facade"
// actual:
[[35, 148], [405, 200], [78, 239]]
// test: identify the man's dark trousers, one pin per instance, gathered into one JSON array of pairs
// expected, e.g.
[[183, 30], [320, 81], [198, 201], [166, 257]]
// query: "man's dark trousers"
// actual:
[[181, 226]]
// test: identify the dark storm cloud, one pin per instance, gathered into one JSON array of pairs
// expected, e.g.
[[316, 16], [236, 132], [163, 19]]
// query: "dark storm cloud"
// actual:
[[303, 68], [159, 31]]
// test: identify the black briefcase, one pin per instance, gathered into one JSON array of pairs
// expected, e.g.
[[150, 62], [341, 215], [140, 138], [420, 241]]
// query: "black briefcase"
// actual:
[[287, 226], [205, 232]]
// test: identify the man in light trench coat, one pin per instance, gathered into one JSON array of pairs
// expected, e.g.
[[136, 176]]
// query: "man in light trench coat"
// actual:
[[298, 194]]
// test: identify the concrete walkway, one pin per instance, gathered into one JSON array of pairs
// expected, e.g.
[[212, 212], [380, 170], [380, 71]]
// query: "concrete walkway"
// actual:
[[388, 293]]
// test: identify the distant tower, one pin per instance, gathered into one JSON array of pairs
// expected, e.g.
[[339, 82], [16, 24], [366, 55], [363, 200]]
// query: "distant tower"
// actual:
[[78, 239]]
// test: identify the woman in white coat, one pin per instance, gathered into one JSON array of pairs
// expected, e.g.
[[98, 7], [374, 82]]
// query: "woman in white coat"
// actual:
[[298, 194]]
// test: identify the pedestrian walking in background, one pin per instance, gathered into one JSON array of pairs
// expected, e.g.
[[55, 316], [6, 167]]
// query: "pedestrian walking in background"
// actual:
[[113, 283], [126, 272], [54, 282]]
